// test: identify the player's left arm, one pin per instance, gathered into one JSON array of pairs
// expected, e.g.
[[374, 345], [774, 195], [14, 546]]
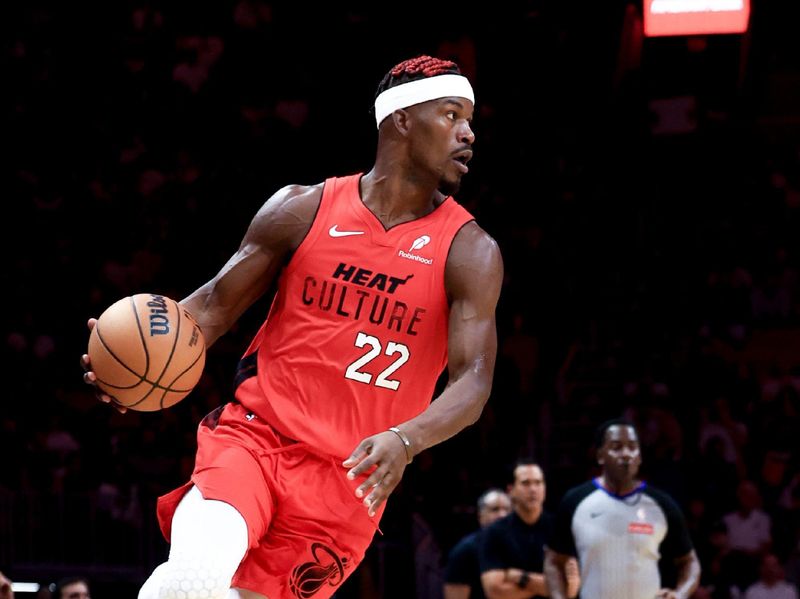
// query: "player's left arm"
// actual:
[[473, 277], [688, 577]]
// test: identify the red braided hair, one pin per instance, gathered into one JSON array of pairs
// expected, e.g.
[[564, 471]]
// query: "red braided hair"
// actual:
[[413, 69]]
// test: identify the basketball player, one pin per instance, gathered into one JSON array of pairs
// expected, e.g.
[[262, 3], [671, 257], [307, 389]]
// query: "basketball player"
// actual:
[[619, 527], [384, 281]]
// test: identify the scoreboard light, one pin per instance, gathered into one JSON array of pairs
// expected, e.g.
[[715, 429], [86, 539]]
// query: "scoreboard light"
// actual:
[[695, 17]]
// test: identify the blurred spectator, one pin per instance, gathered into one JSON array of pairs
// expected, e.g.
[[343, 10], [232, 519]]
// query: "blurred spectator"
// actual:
[[749, 532], [772, 582], [716, 478], [199, 55], [718, 578], [749, 528], [463, 573], [772, 299], [73, 587], [717, 422]]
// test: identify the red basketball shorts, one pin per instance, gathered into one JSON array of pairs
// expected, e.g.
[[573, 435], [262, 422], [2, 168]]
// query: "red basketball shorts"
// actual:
[[307, 531]]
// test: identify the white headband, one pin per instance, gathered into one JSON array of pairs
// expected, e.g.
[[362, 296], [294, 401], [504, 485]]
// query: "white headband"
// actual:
[[421, 90]]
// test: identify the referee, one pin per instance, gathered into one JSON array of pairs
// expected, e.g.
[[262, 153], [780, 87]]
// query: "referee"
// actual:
[[619, 528]]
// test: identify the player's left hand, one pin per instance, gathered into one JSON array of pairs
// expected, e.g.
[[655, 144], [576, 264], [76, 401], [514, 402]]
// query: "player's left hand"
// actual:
[[666, 594], [387, 454]]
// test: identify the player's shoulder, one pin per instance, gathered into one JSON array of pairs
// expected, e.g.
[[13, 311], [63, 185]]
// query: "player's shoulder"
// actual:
[[473, 240], [285, 218], [474, 259], [295, 197]]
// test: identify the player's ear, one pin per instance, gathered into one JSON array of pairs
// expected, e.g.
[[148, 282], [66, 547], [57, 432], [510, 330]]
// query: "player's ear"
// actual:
[[599, 457], [401, 118]]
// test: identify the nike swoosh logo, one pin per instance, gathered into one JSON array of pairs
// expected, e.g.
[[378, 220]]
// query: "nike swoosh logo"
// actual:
[[595, 514], [334, 232]]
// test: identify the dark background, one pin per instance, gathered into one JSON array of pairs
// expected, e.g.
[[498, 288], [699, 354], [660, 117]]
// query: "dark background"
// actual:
[[645, 194]]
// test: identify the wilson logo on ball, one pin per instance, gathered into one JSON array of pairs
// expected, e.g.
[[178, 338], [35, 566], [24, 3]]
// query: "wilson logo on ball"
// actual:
[[159, 321], [147, 352]]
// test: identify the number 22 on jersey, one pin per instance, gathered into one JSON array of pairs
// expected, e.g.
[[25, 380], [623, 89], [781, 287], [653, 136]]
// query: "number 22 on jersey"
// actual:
[[354, 370]]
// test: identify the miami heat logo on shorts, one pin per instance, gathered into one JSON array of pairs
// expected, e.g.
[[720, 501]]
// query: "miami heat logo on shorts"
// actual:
[[327, 568]]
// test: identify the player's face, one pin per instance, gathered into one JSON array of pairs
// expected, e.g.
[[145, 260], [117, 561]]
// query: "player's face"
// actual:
[[497, 506], [620, 454], [442, 140], [528, 491]]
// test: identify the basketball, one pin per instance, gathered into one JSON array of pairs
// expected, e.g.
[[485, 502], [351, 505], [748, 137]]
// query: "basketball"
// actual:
[[147, 352]]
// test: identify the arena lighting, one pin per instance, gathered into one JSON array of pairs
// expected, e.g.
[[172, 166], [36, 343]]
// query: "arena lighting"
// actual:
[[695, 17], [25, 587]]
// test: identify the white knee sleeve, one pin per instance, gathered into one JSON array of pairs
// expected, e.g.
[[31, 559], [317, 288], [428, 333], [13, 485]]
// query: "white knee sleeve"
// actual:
[[209, 540]]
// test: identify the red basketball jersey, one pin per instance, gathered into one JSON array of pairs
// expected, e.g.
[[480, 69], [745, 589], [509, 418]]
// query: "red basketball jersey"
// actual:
[[357, 334]]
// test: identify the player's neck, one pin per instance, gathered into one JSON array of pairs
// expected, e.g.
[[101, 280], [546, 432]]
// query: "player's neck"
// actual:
[[395, 199]]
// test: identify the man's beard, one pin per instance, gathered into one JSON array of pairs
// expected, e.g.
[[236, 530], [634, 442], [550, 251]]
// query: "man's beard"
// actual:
[[449, 188]]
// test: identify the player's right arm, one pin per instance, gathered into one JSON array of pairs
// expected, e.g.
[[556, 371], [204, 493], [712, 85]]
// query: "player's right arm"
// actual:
[[274, 233]]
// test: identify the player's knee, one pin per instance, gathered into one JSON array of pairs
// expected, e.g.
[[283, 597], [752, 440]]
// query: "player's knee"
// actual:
[[194, 579], [152, 586]]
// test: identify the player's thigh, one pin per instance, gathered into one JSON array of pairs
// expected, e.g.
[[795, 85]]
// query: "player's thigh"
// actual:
[[232, 474], [209, 526], [318, 536]]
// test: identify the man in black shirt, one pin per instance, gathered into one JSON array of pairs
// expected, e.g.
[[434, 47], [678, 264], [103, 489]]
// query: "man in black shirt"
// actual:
[[512, 549]]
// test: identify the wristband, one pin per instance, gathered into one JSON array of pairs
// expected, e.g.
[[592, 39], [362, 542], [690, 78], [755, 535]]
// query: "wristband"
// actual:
[[406, 441]]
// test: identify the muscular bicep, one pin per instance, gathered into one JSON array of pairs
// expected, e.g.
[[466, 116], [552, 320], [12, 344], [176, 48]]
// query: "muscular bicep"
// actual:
[[474, 277], [274, 233]]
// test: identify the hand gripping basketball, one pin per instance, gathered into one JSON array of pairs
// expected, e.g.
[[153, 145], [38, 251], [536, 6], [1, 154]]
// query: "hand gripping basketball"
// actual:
[[145, 353]]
